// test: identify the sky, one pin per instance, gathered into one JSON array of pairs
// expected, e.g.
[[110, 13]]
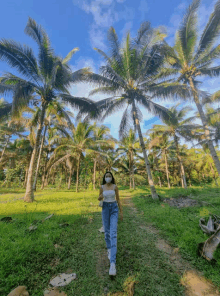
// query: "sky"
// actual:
[[84, 24]]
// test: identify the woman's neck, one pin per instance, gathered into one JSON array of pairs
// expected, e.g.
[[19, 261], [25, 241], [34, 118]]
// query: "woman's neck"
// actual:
[[108, 184]]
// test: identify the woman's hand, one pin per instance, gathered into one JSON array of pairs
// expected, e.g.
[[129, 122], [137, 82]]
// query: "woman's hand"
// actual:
[[100, 197]]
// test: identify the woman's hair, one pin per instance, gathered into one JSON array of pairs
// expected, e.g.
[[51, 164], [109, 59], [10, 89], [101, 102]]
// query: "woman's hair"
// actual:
[[113, 179]]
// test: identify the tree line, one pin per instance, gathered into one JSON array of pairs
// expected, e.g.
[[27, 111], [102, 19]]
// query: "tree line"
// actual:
[[138, 72]]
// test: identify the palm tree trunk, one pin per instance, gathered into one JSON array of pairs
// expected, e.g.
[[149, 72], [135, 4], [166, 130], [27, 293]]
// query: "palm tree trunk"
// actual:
[[184, 184], [39, 158], [147, 164], [6, 144], [205, 125], [25, 178], [132, 170], [44, 173], [213, 172], [167, 172], [29, 195], [70, 175], [94, 173], [77, 174]]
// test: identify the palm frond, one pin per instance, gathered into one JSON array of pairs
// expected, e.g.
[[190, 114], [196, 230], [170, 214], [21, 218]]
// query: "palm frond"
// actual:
[[100, 80], [80, 75], [143, 32], [114, 44], [103, 90], [125, 124], [5, 109], [171, 91], [211, 72], [85, 105], [206, 58], [111, 74], [154, 108], [215, 97], [46, 53], [69, 55], [113, 106], [211, 31], [188, 31], [19, 57]]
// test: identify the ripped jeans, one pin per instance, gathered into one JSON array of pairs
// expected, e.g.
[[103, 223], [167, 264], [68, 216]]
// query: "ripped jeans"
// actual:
[[110, 223]]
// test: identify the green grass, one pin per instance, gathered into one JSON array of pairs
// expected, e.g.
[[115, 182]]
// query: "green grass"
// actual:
[[25, 256], [181, 226]]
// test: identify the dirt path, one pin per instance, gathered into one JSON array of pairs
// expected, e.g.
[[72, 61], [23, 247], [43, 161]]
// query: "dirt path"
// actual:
[[194, 282]]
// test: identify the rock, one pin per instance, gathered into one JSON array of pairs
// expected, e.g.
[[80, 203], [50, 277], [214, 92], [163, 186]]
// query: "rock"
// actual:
[[48, 217], [54, 292], [6, 219], [32, 228], [19, 291], [63, 279], [64, 224], [58, 246]]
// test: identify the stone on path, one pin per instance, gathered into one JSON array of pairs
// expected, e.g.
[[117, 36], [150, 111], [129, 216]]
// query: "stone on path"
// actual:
[[54, 292], [63, 279], [19, 291]]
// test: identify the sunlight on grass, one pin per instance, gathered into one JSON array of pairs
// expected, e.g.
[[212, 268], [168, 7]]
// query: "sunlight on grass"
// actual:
[[59, 203]]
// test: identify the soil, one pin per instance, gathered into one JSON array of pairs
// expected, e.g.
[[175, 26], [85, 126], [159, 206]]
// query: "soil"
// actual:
[[181, 202]]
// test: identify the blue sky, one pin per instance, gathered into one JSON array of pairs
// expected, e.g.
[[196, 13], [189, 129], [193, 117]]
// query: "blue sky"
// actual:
[[84, 24]]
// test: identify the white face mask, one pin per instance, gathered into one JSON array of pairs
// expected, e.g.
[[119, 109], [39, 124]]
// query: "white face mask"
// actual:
[[108, 179]]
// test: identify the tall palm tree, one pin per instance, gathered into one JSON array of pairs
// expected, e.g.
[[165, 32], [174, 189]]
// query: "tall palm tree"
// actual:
[[130, 77], [193, 57], [177, 127], [129, 146], [42, 80]]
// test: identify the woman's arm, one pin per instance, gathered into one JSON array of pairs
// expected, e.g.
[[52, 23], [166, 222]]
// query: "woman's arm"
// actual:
[[117, 198], [100, 194]]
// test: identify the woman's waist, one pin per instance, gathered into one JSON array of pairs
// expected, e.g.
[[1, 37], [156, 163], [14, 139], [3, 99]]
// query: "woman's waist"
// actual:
[[109, 201]]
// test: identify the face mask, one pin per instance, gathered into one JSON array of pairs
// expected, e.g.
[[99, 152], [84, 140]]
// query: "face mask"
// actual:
[[108, 179]]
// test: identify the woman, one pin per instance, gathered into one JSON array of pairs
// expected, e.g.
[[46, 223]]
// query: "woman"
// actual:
[[110, 195]]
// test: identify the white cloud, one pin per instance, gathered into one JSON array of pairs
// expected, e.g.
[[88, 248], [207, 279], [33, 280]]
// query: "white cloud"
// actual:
[[143, 7], [97, 37], [104, 15], [83, 62], [127, 27]]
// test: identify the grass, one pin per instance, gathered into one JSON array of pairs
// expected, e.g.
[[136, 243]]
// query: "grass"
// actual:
[[26, 257], [181, 226]]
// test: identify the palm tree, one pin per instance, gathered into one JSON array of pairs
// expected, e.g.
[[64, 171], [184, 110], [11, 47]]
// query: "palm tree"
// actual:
[[162, 144], [42, 80], [57, 117], [80, 141], [5, 108], [103, 141], [192, 57], [129, 145], [130, 77], [177, 127]]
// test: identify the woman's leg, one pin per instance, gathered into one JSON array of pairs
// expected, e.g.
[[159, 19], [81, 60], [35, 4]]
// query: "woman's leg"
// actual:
[[106, 222], [113, 231]]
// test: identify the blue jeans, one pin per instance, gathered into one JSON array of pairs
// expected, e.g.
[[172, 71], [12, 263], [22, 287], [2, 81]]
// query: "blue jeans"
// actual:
[[110, 223]]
